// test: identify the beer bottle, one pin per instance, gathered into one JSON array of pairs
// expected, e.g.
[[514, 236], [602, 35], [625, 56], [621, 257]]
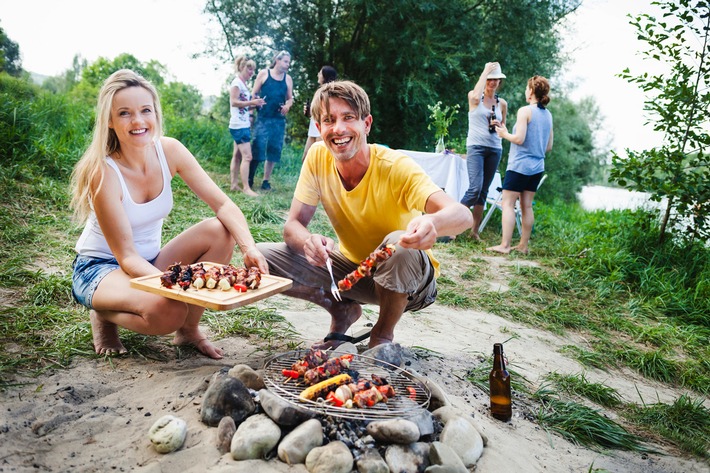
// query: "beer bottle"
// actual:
[[491, 118], [499, 380]]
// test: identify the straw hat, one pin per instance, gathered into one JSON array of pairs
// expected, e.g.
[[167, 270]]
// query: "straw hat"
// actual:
[[496, 74]]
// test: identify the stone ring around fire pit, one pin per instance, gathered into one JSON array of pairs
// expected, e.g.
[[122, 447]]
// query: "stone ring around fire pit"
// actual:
[[410, 394], [258, 421]]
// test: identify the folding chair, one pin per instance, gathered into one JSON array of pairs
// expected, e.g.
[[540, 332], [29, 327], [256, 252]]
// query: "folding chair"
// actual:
[[495, 200]]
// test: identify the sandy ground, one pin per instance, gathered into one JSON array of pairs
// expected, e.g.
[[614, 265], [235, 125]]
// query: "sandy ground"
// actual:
[[95, 415]]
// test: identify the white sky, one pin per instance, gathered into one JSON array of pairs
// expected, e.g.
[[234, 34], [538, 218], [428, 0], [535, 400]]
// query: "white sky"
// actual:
[[51, 32]]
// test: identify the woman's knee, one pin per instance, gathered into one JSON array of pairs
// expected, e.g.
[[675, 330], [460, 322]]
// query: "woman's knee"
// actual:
[[216, 233], [166, 317]]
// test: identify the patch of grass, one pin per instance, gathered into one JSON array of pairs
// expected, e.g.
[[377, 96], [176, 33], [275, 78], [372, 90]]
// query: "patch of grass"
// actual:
[[264, 323], [453, 298], [478, 376], [579, 385], [686, 423], [583, 425], [588, 358]]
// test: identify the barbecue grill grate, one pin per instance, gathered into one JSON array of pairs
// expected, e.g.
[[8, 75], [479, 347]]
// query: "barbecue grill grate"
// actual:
[[403, 404]]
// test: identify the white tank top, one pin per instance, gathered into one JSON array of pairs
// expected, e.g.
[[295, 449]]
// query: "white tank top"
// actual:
[[146, 219]]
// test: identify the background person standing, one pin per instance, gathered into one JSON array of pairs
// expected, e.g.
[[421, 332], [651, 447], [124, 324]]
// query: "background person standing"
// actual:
[[531, 139], [275, 86], [240, 105], [483, 146], [325, 75]]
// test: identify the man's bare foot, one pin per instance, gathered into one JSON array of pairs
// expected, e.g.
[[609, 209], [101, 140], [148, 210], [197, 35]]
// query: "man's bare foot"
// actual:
[[475, 236], [374, 341], [521, 249], [199, 342], [105, 334], [342, 316], [499, 249]]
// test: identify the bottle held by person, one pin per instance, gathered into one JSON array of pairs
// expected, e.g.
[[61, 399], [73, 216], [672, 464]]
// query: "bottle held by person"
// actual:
[[491, 119], [499, 379]]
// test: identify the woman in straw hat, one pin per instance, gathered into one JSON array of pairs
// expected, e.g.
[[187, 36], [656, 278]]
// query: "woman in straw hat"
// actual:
[[483, 146]]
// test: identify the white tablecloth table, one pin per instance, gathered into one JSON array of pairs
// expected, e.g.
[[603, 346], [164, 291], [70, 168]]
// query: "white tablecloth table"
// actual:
[[447, 170]]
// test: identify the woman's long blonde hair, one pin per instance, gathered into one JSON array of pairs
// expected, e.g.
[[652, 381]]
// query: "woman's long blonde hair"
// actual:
[[105, 142]]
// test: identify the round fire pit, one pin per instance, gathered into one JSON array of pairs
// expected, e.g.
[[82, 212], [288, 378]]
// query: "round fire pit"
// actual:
[[410, 395]]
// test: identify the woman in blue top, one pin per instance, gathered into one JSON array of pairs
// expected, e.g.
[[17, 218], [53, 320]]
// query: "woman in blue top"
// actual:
[[530, 140]]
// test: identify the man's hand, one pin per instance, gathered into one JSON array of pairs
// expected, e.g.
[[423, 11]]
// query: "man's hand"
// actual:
[[420, 235], [317, 248]]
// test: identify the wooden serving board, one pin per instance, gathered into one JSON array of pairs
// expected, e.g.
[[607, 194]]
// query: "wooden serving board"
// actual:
[[213, 298]]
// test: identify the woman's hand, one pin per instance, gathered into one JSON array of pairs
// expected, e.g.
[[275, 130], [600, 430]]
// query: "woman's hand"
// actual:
[[500, 129], [257, 102], [254, 257]]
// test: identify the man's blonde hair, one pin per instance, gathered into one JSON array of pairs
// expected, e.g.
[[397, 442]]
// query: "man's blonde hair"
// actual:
[[346, 90]]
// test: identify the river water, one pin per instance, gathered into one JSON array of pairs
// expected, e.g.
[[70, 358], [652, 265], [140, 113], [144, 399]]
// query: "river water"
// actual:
[[613, 198]]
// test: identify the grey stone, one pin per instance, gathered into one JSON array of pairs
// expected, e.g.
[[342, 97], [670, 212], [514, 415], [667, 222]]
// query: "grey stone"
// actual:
[[464, 439], [254, 438], [296, 445], [390, 353], [371, 461], [412, 458], [226, 396], [250, 378], [424, 421], [443, 414], [400, 431], [444, 459], [281, 411], [167, 434], [334, 457], [225, 432]]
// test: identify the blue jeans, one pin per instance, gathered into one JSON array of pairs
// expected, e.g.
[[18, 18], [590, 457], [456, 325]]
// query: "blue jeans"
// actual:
[[268, 139], [482, 163], [267, 144]]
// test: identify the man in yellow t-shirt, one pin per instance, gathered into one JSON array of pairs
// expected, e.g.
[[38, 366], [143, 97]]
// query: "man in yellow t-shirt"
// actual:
[[372, 196]]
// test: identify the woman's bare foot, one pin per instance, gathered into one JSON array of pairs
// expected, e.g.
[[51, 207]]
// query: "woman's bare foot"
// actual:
[[250, 193], [499, 249], [105, 334], [200, 343], [521, 249]]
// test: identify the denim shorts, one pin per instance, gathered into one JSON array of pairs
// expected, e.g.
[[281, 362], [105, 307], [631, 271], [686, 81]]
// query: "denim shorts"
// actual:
[[241, 135], [88, 273]]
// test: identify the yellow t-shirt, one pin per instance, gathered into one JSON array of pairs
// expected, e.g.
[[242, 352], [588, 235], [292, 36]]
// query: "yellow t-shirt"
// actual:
[[393, 191]]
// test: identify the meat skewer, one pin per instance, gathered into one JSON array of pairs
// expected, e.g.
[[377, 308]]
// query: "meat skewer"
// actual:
[[365, 268], [227, 277]]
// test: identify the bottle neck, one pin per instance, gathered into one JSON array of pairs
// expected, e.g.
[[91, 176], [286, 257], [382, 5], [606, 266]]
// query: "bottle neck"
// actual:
[[498, 361]]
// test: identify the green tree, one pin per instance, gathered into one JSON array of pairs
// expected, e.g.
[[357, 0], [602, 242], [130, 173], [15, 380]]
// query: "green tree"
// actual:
[[10, 61], [678, 103], [407, 54]]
